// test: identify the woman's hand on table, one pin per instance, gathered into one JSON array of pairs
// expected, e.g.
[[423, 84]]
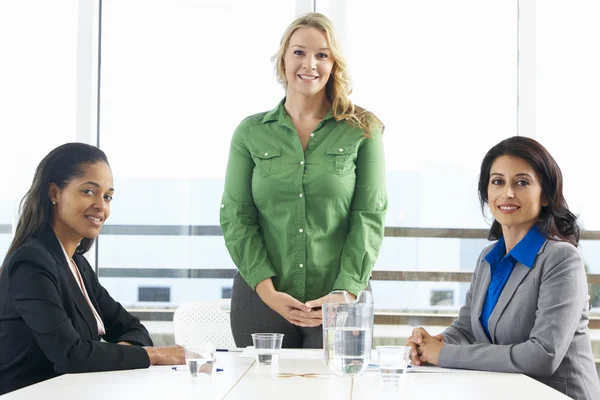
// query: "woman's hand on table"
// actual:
[[430, 349], [424, 347], [166, 355]]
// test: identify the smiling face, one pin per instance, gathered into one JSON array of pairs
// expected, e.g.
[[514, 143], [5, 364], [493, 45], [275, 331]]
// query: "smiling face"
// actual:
[[308, 62], [83, 204], [514, 194]]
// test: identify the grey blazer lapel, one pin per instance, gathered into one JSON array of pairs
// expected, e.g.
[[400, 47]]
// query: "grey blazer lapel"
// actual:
[[516, 277], [479, 292]]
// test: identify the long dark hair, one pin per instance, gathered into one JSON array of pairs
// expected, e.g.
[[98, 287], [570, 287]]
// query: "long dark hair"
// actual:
[[60, 166], [555, 219]]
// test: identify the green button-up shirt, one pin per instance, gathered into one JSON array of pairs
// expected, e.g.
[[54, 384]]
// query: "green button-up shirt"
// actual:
[[311, 220]]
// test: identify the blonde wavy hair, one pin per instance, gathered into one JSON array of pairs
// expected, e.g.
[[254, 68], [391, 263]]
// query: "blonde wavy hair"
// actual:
[[339, 86]]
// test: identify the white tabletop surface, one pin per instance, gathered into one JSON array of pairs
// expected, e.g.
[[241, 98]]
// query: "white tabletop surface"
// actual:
[[242, 378]]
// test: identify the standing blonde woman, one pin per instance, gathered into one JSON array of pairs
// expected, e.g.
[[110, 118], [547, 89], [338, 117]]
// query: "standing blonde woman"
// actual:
[[304, 203]]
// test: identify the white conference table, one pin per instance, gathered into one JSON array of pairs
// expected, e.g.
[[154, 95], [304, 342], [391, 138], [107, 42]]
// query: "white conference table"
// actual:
[[243, 378]]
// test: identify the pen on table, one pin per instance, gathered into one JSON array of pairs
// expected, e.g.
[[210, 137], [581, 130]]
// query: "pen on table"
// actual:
[[230, 350], [377, 366], [182, 368]]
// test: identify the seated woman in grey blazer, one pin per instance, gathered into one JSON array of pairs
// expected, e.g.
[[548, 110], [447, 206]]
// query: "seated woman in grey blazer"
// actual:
[[53, 310], [527, 308]]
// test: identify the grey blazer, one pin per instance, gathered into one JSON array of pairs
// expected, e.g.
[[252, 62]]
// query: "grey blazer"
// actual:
[[538, 327]]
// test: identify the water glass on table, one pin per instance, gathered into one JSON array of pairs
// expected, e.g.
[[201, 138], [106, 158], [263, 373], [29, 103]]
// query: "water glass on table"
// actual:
[[393, 362], [199, 357], [267, 347]]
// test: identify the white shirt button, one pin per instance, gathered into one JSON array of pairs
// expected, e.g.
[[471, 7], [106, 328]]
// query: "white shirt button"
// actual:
[[300, 195], [222, 205], [340, 150], [312, 135], [301, 162], [301, 265], [300, 230]]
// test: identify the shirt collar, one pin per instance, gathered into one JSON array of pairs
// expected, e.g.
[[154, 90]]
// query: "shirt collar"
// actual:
[[279, 114], [274, 114], [527, 249], [497, 252], [67, 257], [524, 252]]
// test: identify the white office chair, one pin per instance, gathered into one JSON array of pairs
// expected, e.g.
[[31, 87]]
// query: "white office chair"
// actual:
[[206, 321]]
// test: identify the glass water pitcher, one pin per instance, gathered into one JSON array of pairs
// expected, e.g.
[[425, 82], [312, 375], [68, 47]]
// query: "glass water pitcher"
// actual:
[[347, 332]]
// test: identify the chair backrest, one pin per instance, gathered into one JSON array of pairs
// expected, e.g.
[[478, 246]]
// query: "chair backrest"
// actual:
[[204, 322]]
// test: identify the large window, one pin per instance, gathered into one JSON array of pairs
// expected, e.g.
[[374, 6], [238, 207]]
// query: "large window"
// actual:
[[442, 75], [567, 103], [173, 90], [177, 78], [38, 94], [448, 78]]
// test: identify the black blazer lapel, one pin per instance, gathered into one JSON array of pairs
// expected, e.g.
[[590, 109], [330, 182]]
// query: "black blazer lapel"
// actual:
[[516, 277], [51, 242]]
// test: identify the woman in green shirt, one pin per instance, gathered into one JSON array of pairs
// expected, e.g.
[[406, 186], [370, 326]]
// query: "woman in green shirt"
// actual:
[[304, 203]]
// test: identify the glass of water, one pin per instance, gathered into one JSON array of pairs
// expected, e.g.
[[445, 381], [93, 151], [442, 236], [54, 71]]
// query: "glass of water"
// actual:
[[393, 362], [267, 346], [199, 357]]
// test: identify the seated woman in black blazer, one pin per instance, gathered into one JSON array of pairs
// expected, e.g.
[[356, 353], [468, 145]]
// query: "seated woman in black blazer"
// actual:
[[53, 310]]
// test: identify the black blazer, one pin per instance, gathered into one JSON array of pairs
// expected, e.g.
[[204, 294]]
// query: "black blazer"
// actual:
[[46, 325]]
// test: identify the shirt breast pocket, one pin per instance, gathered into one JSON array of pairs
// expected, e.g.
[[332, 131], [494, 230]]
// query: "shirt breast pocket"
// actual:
[[340, 160], [268, 162]]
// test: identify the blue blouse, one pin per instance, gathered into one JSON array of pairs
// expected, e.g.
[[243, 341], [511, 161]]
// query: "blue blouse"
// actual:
[[501, 266]]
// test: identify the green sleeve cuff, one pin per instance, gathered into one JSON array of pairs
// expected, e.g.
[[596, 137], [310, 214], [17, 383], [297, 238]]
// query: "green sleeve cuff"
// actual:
[[259, 275], [349, 284]]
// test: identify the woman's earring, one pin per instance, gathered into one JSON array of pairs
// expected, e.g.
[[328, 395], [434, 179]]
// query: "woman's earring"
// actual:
[[54, 202]]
